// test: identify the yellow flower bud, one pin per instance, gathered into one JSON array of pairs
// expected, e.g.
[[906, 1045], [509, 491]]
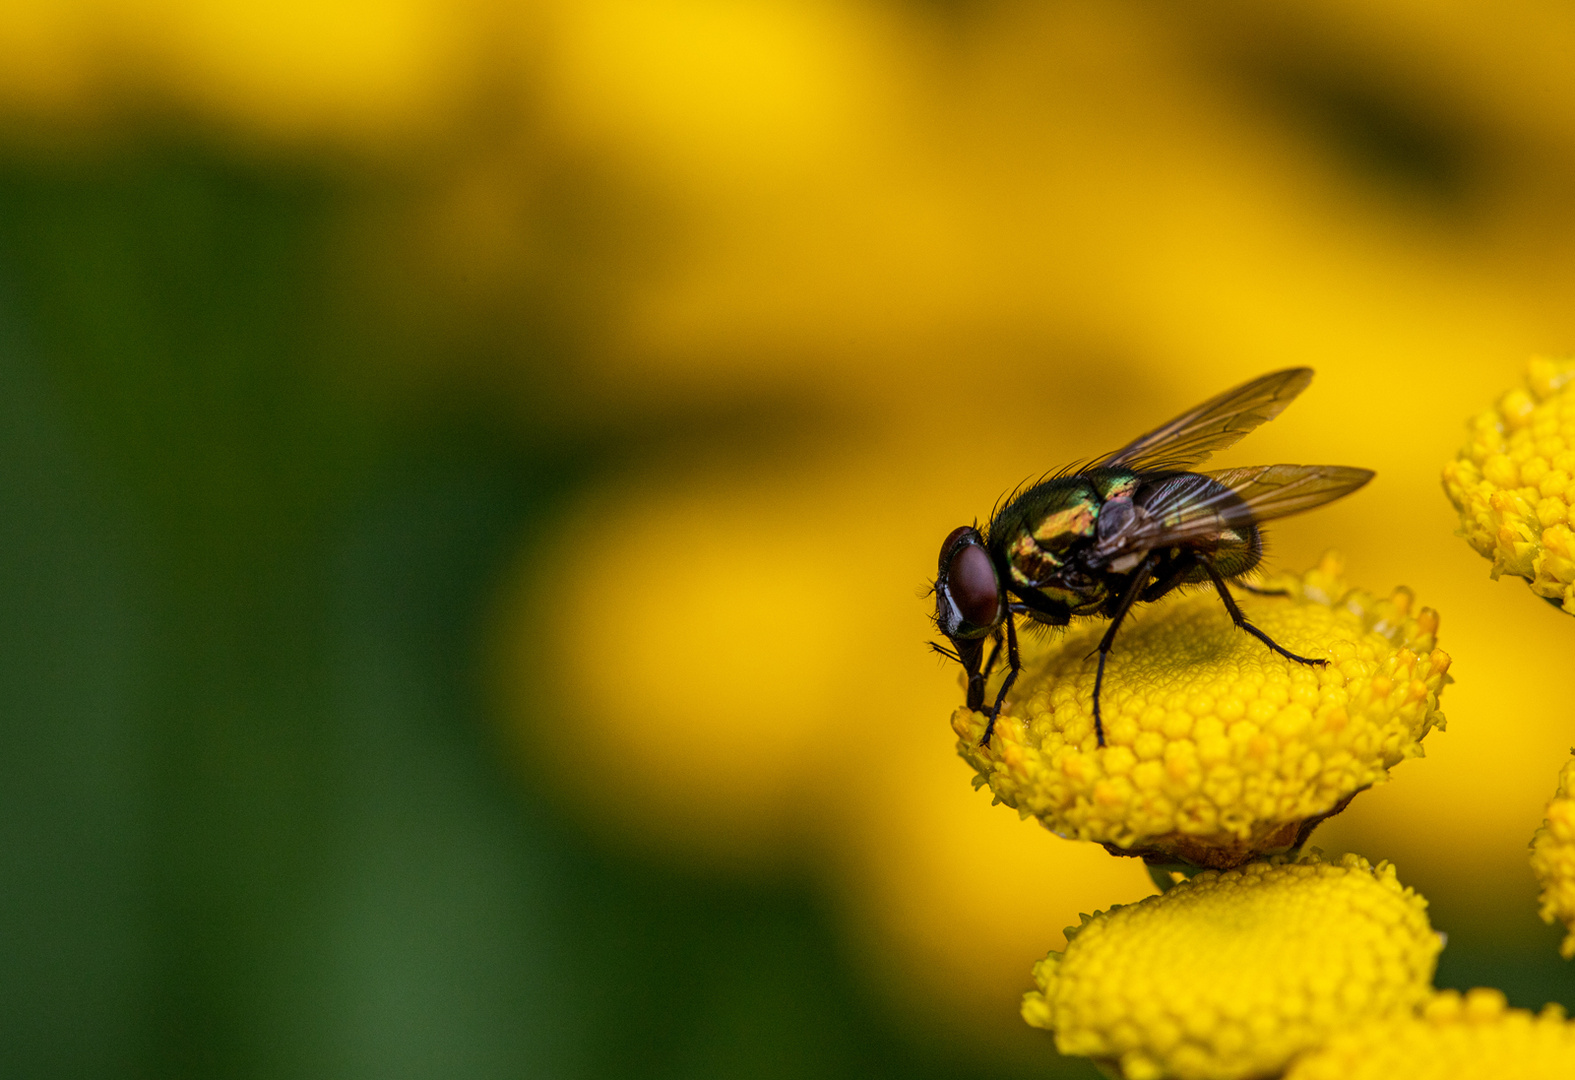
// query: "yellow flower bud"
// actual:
[[1511, 482], [1217, 749], [1458, 1037], [1553, 859], [1233, 973]]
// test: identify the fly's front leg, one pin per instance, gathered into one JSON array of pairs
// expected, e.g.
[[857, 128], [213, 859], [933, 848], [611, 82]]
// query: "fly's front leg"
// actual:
[[968, 653], [1014, 665], [995, 653], [1242, 624]]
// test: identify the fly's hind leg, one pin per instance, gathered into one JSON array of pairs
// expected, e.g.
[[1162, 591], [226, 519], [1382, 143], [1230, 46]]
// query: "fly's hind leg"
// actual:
[[1242, 624], [1261, 592]]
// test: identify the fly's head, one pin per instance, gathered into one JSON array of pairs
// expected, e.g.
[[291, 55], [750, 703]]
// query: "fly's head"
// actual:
[[969, 601]]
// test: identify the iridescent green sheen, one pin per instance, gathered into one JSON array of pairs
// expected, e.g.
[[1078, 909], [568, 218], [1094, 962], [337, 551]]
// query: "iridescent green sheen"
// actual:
[[1039, 529]]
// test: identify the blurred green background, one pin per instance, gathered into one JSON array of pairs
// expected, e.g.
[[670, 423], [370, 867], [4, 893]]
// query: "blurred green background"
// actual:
[[443, 446], [256, 822]]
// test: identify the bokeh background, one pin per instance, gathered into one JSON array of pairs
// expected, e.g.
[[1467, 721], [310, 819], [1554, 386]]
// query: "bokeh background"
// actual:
[[470, 471]]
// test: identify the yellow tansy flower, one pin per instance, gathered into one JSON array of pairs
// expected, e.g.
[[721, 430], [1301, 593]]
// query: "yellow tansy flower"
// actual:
[[1233, 973], [1553, 859], [1218, 750], [1458, 1037], [1512, 482]]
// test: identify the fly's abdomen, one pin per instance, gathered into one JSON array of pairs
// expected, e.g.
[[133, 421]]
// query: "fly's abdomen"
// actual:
[[1236, 550], [1200, 514]]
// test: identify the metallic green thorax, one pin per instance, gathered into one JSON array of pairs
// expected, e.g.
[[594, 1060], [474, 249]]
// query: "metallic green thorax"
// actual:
[[1043, 530]]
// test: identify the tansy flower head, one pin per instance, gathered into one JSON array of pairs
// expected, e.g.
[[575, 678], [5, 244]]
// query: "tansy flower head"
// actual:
[[1231, 974], [1217, 749], [1469, 1037], [1512, 482], [1553, 859]]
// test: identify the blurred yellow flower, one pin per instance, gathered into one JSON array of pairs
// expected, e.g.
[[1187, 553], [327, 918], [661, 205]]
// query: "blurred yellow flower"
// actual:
[[1217, 750], [1233, 973], [1457, 1036], [340, 72], [1553, 858], [1512, 482]]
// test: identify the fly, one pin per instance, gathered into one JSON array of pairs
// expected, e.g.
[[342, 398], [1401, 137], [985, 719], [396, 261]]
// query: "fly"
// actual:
[[1127, 529]]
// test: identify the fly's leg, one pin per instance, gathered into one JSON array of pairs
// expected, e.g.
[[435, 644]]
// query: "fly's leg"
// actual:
[[968, 653], [1167, 577], [1261, 592], [1242, 624], [995, 654], [1011, 676], [968, 656], [1135, 588]]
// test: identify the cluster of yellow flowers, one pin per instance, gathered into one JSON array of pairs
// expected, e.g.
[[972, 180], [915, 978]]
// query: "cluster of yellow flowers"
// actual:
[[1221, 757], [1512, 482], [1553, 858]]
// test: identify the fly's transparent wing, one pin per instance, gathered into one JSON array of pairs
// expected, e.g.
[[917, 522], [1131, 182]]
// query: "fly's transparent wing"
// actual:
[[1276, 491], [1200, 506], [1191, 437]]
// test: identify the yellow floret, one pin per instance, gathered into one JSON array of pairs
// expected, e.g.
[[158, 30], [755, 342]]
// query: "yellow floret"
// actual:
[[1553, 859], [1233, 973], [1470, 1037], [1512, 482], [1217, 749]]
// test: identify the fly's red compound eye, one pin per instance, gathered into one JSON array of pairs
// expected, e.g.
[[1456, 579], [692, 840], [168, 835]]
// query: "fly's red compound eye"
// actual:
[[973, 585], [951, 542], [969, 600]]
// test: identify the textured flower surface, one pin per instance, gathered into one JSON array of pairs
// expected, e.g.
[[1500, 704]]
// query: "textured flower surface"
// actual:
[[1553, 859], [1512, 482], [1232, 973], [1218, 750], [1457, 1037]]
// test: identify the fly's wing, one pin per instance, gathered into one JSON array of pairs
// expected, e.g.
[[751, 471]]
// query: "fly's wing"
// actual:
[[1191, 437], [1199, 506]]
